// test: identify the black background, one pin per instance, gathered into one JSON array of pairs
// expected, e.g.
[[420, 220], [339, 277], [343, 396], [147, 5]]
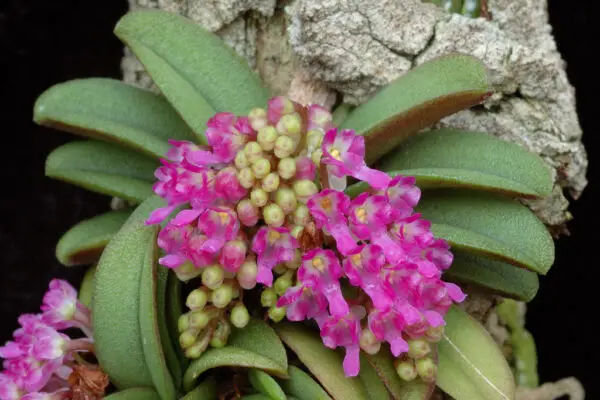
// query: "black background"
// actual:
[[46, 42]]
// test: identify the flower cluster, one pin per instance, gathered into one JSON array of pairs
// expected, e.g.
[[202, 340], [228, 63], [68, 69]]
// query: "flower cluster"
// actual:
[[264, 203], [38, 362]]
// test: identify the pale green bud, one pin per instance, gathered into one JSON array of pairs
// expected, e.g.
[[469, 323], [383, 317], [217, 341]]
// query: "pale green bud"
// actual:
[[212, 276], [246, 275], [266, 138], [418, 348], [277, 313], [261, 167], [188, 338], [296, 261], [286, 199], [187, 271], [253, 151], [222, 296], [289, 124], [183, 322], [286, 168], [199, 319], [197, 299], [268, 297], [368, 342], [301, 215], [239, 316], [284, 146], [434, 334], [280, 269], [270, 183], [246, 178], [259, 197], [196, 350], [406, 370], [313, 140], [304, 189], [426, 369], [257, 118], [221, 334], [283, 283], [296, 231], [241, 161], [316, 156], [273, 215]]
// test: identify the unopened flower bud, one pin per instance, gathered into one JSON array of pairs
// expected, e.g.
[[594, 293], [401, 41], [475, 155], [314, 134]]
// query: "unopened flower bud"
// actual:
[[253, 151], [188, 338], [296, 231], [305, 168], [183, 323], [286, 199], [232, 256], [246, 178], [316, 156], [212, 276], [368, 342], [426, 369], [187, 271], [304, 189], [406, 370], [268, 297], [197, 299], [247, 213], [246, 275], [273, 215], [196, 350], [434, 333], [270, 183], [239, 316], [266, 138], [222, 296], [277, 313], [283, 283], [284, 146], [280, 269], [313, 140], [257, 118], [261, 167], [241, 161], [286, 168], [301, 215], [418, 348], [221, 334], [259, 197], [199, 319], [289, 124]]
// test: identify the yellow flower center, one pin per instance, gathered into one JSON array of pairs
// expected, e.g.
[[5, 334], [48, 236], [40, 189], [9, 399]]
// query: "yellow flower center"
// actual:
[[326, 204], [318, 263], [361, 214], [356, 260], [224, 217], [273, 236], [335, 153]]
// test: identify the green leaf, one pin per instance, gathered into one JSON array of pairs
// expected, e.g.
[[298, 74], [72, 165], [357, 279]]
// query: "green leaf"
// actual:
[[194, 69], [454, 158], [228, 357], [261, 339], [207, 390], [104, 168], [134, 394], [423, 96], [325, 364], [111, 110], [489, 224], [86, 289], [369, 377], [383, 364], [152, 342], [255, 396], [471, 365], [302, 385], [493, 276], [84, 242], [265, 384], [116, 305]]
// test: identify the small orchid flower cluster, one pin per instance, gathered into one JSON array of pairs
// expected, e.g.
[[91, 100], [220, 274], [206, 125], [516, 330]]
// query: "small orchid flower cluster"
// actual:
[[39, 360], [265, 204]]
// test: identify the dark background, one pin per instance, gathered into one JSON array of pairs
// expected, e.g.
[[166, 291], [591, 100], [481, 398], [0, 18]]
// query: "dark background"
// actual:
[[46, 42]]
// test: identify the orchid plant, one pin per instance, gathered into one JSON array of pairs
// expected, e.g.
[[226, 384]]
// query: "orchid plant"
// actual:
[[277, 250]]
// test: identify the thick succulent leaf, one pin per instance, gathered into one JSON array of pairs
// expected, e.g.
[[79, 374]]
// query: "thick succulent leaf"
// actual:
[[256, 396], [228, 357], [86, 289], [375, 387], [116, 305], [302, 385], [111, 110], [103, 167], [493, 276], [207, 390], [489, 224], [265, 384], [84, 242], [325, 364], [174, 309], [383, 364], [134, 394], [149, 322], [255, 346], [194, 69], [455, 158], [423, 96], [471, 365]]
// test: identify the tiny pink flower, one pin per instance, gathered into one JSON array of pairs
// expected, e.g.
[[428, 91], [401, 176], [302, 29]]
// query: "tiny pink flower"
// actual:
[[228, 186], [362, 268], [344, 331], [10, 389], [219, 224], [273, 246], [58, 395], [413, 229], [305, 168], [321, 271], [11, 350], [329, 208], [402, 194], [344, 153], [278, 106], [233, 255], [223, 136], [303, 303], [60, 307], [319, 118], [387, 325]]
